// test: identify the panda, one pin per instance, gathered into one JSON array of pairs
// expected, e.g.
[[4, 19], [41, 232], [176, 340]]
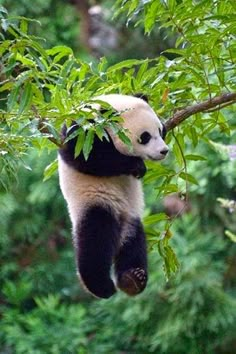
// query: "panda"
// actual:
[[105, 198]]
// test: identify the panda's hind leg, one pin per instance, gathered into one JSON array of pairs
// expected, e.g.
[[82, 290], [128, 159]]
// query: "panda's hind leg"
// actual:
[[96, 240], [131, 261]]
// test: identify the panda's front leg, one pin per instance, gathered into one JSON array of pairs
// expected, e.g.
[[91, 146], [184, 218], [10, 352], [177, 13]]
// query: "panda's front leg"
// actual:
[[96, 238], [131, 260], [138, 168]]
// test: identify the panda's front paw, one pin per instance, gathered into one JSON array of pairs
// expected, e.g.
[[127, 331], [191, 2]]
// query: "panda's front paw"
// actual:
[[139, 169], [133, 281]]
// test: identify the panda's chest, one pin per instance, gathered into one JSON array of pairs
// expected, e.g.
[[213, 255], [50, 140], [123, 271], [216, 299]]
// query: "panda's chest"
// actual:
[[122, 193]]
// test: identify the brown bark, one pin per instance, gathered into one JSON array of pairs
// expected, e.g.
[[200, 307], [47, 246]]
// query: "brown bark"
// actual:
[[211, 104], [83, 8]]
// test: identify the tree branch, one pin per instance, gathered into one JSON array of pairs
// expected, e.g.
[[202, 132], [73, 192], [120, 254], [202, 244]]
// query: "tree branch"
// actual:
[[85, 27], [43, 128], [211, 104]]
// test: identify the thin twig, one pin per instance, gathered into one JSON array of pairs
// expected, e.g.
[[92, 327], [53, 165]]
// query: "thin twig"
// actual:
[[44, 130], [42, 127]]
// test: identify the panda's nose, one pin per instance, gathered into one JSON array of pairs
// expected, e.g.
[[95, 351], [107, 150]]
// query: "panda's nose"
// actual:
[[164, 152]]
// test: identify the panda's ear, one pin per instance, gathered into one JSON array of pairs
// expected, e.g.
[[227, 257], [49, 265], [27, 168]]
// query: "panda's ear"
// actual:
[[164, 132], [111, 111], [141, 95], [63, 132], [103, 110]]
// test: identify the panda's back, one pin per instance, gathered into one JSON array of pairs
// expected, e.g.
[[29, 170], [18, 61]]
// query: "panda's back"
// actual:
[[122, 193]]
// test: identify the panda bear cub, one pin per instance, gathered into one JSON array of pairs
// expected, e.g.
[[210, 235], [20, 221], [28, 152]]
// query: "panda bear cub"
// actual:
[[105, 199]]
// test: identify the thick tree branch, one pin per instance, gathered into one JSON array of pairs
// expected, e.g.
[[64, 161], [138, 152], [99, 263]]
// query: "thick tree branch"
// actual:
[[83, 9], [217, 102]]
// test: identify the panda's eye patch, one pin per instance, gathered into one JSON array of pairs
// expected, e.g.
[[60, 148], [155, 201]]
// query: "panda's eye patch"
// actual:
[[144, 138]]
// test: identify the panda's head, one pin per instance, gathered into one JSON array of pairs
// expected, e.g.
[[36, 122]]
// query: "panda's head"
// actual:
[[144, 128]]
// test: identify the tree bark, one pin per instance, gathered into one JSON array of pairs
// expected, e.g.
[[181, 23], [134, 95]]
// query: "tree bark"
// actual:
[[218, 102], [83, 9]]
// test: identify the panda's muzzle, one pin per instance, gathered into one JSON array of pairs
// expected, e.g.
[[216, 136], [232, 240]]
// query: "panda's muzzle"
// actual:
[[159, 156]]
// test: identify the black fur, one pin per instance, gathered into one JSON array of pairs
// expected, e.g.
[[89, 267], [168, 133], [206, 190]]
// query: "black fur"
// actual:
[[164, 132], [98, 243], [103, 160], [131, 259], [142, 95], [97, 240]]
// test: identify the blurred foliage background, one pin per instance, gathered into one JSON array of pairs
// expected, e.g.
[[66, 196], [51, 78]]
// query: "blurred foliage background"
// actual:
[[42, 307]]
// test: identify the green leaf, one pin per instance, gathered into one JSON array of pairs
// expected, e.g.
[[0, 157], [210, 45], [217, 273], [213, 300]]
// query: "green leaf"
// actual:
[[175, 51], [171, 263], [24, 60], [188, 178], [3, 10], [59, 52], [125, 64], [142, 70], [50, 170], [66, 68], [26, 98], [178, 153], [24, 25], [7, 86], [80, 142], [152, 219], [170, 188], [12, 98], [100, 132], [230, 235], [194, 136], [51, 130], [150, 17], [88, 144], [123, 137], [195, 157]]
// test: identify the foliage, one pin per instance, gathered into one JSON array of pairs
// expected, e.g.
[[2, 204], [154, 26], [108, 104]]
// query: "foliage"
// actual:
[[31, 228], [49, 25], [190, 314]]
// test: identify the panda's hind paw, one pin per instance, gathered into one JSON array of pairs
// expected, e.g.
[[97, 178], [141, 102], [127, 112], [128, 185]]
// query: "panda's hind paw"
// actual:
[[133, 281]]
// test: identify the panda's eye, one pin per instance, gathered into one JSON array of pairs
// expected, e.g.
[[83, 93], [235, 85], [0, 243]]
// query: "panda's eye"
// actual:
[[144, 138]]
